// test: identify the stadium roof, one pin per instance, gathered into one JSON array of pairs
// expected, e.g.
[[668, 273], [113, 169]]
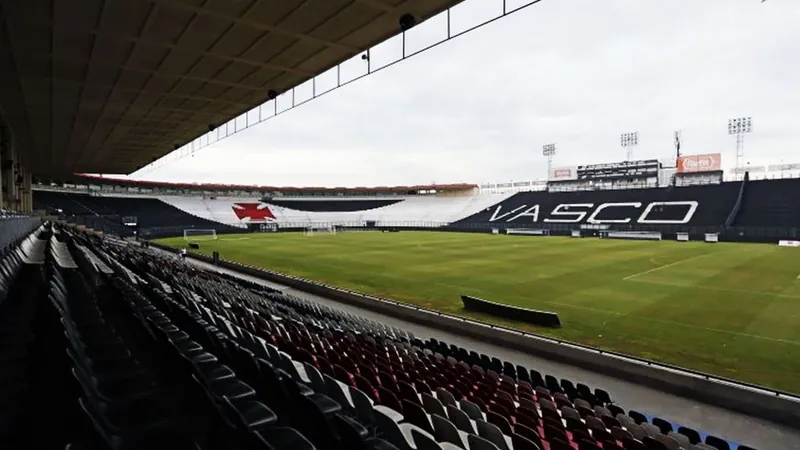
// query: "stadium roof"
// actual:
[[94, 179], [107, 86]]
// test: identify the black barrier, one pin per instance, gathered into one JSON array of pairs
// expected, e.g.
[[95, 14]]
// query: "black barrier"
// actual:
[[531, 316], [194, 246]]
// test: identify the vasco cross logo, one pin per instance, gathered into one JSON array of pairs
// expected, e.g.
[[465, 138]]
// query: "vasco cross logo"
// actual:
[[253, 212]]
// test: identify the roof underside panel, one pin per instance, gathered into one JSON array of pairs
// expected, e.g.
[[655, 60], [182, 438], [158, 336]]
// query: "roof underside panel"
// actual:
[[106, 86]]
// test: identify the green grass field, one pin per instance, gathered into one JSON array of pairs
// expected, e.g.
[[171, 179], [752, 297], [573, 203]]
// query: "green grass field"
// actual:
[[728, 309]]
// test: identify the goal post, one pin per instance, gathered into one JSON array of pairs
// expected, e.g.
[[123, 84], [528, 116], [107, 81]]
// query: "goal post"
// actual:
[[313, 230], [199, 234]]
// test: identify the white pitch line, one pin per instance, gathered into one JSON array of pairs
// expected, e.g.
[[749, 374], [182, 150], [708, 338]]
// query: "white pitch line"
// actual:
[[666, 266]]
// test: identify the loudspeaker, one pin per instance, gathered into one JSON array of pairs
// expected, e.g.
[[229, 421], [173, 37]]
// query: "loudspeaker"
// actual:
[[194, 246]]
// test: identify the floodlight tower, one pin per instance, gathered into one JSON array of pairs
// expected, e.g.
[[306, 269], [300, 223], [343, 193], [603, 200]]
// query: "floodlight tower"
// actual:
[[628, 142], [739, 127], [549, 150]]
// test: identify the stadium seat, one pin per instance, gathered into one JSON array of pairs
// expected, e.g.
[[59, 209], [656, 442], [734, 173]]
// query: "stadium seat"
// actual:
[[164, 352]]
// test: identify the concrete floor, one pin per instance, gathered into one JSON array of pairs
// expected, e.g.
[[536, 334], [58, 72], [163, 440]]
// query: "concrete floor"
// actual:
[[729, 425]]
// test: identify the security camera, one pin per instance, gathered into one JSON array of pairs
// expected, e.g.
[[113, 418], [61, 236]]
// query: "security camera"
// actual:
[[272, 94], [211, 127]]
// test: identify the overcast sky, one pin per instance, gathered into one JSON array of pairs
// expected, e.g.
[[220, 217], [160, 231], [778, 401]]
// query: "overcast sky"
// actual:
[[573, 72]]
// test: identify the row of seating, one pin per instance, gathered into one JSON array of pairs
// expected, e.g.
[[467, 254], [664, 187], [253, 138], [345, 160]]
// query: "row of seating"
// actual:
[[106, 213], [134, 348]]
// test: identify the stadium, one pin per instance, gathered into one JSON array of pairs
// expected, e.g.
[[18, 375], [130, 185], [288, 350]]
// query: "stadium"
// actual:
[[642, 304]]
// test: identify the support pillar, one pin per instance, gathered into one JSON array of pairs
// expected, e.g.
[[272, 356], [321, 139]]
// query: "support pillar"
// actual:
[[5, 143], [10, 169], [26, 193]]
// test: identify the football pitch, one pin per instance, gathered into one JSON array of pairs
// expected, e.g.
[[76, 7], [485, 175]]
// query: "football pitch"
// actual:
[[728, 309]]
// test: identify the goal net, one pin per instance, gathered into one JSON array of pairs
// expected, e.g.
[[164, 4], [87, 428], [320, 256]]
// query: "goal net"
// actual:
[[198, 234], [313, 230]]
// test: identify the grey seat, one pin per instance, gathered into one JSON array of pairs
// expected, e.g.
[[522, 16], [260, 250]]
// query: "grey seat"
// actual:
[[473, 411], [423, 442], [620, 434], [362, 405], [702, 446], [479, 443], [541, 391], [683, 440], [651, 429], [460, 419], [581, 402], [317, 382], [625, 420], [444, 396], [335, 392], [274, 353], [595, 423], [528, 403], [601, 411], [671, 443], [522, 443], [547, 404], [637, 431], [391, 431], [445, 431], [287, 364], [492, 433], [432, 405], [567, 412]]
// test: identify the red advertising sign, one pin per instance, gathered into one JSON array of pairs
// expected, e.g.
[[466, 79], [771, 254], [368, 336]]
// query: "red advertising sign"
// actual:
[[563, 173], [711, 162]]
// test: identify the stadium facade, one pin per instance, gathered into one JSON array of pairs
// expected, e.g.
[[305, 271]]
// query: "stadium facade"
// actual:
[[631, 199]]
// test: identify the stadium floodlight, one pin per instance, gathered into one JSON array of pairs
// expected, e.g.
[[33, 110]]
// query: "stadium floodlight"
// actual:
[[549, 151], [628, 142], [739, 127]]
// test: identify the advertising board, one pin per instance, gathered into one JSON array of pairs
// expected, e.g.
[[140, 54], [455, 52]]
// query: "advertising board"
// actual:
[[710, 162], [625, 169], [564, 173]]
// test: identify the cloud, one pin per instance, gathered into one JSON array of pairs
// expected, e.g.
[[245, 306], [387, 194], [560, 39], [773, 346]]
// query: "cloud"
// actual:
[[574, 72]]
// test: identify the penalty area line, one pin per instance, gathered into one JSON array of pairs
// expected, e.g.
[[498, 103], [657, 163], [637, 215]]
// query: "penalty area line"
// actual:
[[655, 269]]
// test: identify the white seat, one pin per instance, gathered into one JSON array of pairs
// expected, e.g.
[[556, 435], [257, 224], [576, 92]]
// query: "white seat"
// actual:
[[423, 441], [389, 412], [449, 446]]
